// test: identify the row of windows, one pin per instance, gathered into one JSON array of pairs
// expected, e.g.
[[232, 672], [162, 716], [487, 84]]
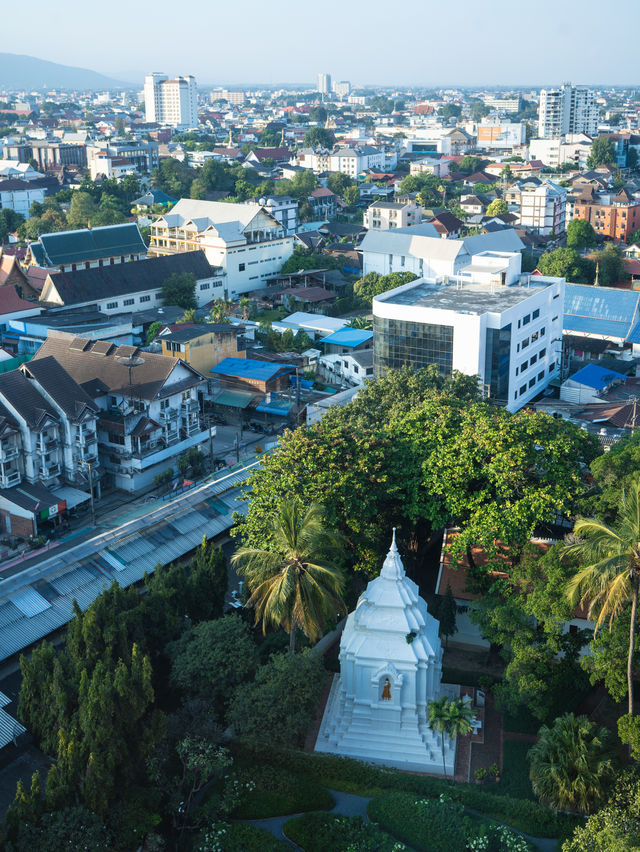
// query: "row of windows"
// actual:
[[532, 339], [526, 319], [532, 381], [113, 305]]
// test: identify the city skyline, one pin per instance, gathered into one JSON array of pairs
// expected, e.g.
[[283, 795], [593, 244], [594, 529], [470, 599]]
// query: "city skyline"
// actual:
[[479, 47]]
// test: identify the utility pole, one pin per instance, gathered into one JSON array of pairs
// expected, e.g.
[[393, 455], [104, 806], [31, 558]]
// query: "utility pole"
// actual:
[[210, 417], [237, 447], [93, 508]]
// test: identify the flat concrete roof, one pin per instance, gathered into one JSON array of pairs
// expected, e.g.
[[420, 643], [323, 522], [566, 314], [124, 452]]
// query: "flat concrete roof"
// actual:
[[464, 298]]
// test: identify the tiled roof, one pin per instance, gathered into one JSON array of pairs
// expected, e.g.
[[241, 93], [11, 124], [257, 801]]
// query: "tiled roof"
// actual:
[[20, 393], [91, 244], [86, 285], [64, 390], [85, 361]]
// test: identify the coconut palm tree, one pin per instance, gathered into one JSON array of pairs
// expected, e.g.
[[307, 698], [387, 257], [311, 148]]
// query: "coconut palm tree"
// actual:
[[297, 582], [611, 577], [571, 764], [450, 716]]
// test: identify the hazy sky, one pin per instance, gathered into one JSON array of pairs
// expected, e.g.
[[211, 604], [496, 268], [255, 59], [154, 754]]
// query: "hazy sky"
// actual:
[[412, 42]]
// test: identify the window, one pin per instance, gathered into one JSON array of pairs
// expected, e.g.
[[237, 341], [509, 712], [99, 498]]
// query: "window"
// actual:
[[111, 305], [525, 343], [535, 314], [115, 438], [532, 382], [524, 366], [128, 302], [533, 359], [205, 286], [542, 331], [523, 389], [356, 369], [552, 367], [526, 319], [241, 267], [145, 298], [542, 353], [541, 376]]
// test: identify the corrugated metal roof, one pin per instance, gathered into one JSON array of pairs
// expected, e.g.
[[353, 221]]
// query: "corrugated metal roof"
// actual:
[[600, 310], [30, 603], [10, 729]]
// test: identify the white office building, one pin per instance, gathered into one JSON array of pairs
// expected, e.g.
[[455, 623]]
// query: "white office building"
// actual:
[[342, 89], [171, 102], [543, 206], [569, 109], [489, 320]]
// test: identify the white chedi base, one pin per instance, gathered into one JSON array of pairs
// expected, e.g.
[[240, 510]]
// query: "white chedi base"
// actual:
[[377, 707]]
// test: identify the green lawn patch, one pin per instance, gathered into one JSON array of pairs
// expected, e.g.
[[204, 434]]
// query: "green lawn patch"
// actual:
[[521, 722], [273, 315], [279, 792], [320, 832], [515, 772], [236, 837], [440, 825]]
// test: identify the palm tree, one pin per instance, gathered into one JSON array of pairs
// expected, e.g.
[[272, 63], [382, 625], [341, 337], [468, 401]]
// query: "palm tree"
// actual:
[[450, 716], [571, 764], [611, 576], [297, 583]]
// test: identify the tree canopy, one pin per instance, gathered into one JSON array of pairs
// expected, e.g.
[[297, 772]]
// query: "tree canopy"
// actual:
[[179, 289], [567, 263], [580, 234], [603, 153], [373, 284]]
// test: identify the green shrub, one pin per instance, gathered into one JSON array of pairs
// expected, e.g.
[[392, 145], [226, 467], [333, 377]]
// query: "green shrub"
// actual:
[[515, 781], [319, 832], [278, 792], [352, 776], [430, 825], [236, 837]]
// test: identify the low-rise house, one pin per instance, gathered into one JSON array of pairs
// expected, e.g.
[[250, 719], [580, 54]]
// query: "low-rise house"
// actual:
[[251, 375], [19, 195], [447, 225], [87, 248], [149, 411], [347, 340], [202, 346], [131, 286], [384, 215], [323, 203], [352, 368]]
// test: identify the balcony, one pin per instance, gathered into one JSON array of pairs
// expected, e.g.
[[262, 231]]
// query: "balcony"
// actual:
[[83, 438], [49, 471], [168, 414], [46, 445], [10, 478], [8, 452], [190, 405]]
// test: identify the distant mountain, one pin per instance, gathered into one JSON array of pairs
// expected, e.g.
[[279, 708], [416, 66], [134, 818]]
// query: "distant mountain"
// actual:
[[18, 72]]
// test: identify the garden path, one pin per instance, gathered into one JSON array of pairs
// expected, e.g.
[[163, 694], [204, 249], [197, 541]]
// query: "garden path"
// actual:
[[348, 804]]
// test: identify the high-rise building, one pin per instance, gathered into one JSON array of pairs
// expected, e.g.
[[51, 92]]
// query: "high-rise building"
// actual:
[[569, 109], [324, 84], [171, 102], [342, 88]]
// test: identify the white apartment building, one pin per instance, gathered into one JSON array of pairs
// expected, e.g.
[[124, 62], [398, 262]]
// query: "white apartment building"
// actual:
[[494, 135], [171, 102], [574, 148], [146, 404], [503, 103], [430, 165], [284, 209], [139, 155], [421, 250], [383, 215], [569, 109], [244, 240], [233, 98], [543, 206], [491, 321], [324, 84], [348, 160], [19, 195], [342, 89]]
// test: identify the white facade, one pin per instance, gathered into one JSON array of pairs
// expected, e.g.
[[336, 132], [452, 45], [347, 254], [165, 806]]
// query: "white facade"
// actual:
[[342, 88], [543, 207], [502, 103], [573, 148], [384, 215], [390, 670], [324, 84], [504, 327], [501, 135], [569, 109], [171, 102], [284, 209], [430, 165], [244, 240], [352, 368], [19, 195]]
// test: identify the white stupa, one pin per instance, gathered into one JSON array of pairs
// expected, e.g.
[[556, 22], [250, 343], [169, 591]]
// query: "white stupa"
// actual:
[[390, 669]]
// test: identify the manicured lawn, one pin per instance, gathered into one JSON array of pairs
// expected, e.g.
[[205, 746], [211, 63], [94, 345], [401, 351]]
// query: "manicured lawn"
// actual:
[[515, 773]]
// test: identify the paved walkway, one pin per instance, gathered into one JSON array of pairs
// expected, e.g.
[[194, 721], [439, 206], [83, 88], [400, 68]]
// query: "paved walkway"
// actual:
[[350, 805]]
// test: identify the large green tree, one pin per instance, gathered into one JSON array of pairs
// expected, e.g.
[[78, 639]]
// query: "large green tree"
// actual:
[[580, 234], [319, 137], [610, 265], [373, 284], [450, 717], [571, 764], [416, 450], [603, 153], [179, 289], [567, 263], [277, 708], [297, 582]]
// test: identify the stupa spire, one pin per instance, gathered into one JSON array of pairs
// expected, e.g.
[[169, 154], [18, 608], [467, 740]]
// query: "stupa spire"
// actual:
[[393, 569]]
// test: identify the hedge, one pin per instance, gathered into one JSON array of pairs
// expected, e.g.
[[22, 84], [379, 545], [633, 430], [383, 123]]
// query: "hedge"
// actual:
[[354, 776], [237, 837], [279, 792], [430, 825], [320, 832]]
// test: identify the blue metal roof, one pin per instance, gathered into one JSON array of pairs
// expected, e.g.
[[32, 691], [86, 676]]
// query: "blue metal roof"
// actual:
[[595, 377], [348, 337], [247, 368], [600, 310]]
